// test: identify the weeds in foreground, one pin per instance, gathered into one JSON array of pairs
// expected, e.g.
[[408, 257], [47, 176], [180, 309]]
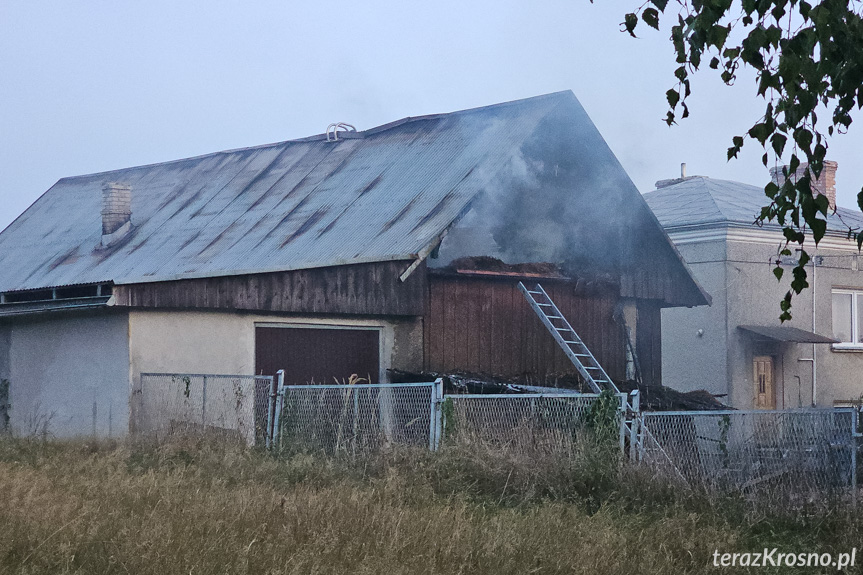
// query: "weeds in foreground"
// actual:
[[208, 507]]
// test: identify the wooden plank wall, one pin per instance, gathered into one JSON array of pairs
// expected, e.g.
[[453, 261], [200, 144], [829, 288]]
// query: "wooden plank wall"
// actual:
[[656, 273], [648, 341], [483, 325], [359, 289]]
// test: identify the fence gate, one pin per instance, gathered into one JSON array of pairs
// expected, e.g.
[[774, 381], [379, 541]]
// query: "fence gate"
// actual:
[[355, 418], [189, 402], [796, 452]]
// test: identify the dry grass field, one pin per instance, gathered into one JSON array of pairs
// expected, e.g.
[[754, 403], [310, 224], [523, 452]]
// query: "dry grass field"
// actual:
[[204, 507]]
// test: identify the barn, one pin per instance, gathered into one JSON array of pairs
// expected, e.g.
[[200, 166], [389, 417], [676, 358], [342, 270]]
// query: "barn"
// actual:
[[350, 252]]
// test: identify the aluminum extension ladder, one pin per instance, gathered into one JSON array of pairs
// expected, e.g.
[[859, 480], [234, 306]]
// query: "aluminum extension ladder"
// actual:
[[568, 340]]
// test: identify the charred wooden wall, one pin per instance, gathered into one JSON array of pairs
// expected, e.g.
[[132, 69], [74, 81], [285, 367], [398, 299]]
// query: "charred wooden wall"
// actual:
[[656, 272], [485, 325], [359, 289]]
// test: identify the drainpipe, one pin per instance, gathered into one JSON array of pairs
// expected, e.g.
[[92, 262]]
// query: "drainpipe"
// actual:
[[814, 301], [814, 359]]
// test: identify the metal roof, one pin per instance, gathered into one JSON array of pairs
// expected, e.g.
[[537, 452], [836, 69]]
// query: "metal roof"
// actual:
[[527, 181], [785, 333], [699, 200], [383, 194]]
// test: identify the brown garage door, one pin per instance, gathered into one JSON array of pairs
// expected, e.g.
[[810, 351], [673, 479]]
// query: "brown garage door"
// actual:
[[319, 355]]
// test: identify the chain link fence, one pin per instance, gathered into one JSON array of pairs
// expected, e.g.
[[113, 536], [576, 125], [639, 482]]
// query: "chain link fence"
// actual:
[[359, 418], [794, 453], [188, 403], [545, 422]]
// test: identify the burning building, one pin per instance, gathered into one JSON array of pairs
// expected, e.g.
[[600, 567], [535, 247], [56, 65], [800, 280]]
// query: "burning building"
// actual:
[[351, 252]]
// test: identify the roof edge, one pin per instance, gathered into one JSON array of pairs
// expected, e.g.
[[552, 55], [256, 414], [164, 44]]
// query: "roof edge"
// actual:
[[323, 136], [249, 272]]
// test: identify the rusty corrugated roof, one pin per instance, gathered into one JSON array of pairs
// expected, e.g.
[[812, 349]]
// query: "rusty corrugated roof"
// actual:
[[534, 180], [383, 194]]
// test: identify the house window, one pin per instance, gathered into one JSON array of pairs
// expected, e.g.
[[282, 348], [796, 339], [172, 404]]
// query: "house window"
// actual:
[[848, 317]]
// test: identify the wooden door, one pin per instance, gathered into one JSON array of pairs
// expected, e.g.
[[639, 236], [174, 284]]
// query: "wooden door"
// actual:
[[765, 395]]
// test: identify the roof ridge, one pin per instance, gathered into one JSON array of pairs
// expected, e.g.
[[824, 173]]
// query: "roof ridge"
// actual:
[[320, 137], [509, 103]]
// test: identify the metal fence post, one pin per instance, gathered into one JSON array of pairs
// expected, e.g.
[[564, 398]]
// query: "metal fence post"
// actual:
[[435, 423], [204, 404], [280, 402], [642, 431], [622, 413], [635, 405], [439, 392], [271, 413]]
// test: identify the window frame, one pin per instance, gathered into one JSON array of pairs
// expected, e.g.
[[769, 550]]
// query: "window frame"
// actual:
[[856, 329]]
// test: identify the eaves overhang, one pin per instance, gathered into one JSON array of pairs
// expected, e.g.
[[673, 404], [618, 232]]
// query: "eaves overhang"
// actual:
[[51, 306], [735, 231]]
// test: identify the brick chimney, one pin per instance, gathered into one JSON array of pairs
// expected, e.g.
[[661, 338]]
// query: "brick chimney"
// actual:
[[825, 185], [116, 211]]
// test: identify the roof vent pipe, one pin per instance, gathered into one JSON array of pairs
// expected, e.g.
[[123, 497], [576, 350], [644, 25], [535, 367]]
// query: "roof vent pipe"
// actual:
[[116, 211], [333, 130], [683, 170]]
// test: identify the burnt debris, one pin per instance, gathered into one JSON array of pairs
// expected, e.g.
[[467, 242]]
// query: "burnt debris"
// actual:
[[653, 398]]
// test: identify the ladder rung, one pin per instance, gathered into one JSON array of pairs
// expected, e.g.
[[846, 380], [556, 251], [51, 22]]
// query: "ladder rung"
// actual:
[[562, 329], [535, 292], [544, 304], [554, 317], [580, 355]]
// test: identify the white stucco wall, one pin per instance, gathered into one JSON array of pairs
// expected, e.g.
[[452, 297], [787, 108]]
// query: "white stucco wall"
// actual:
[[224, 342], [738, 274], [59, 368], [5, 342], [694, 339], [839, 373], [753, 299]]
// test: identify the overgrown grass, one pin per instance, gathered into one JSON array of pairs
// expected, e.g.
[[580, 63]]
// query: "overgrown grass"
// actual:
[[212, 507]]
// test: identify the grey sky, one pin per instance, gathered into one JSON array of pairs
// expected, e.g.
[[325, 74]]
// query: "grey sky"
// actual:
[[88, 87]]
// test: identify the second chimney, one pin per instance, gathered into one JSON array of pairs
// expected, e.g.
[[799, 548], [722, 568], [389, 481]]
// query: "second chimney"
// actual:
[[116, 210], [824, 185]]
